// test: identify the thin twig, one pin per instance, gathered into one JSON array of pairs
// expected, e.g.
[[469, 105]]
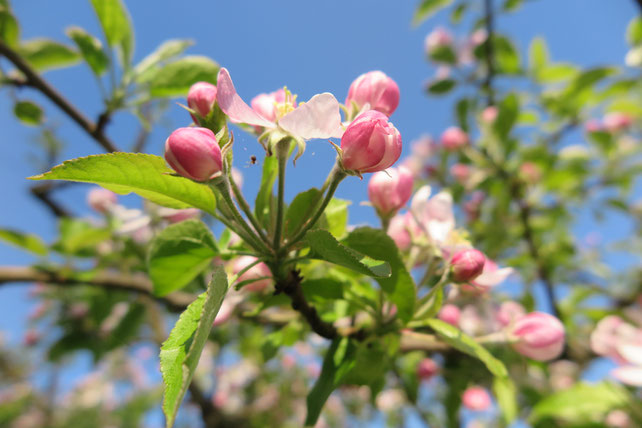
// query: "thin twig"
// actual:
[[33, 79], [490, 51]]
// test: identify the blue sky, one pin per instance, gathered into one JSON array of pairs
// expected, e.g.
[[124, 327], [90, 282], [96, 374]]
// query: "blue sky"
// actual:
[[309, 46]]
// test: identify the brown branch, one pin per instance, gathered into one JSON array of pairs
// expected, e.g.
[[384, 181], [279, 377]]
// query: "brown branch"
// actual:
[[43, 193], [639, 3], [33, 79], [137, 284], [211, 415]]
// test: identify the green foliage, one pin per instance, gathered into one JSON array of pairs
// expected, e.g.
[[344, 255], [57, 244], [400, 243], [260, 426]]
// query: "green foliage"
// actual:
[[338, 361], [146, 175], [150, 65], [46, 54], [466, 344], [399, 285], [28, 112], [175, 78], [302, 207], [506, 394], [9, 28], [181, 351], [324, 246], [335, 217], [581, 403], [428, 8], [264, 198], [634, 31], [117, 27], [90, 48], [178, 254], [442, 86], [79, 238], [29, 242]]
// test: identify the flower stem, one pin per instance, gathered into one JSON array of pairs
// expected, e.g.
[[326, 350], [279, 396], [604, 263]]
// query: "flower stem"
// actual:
[[245, 207], [282, 151], [222, 186]]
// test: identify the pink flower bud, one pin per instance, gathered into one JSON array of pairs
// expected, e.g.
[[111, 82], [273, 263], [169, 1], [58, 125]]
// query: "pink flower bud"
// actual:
[[438, 38], [427, 368], [259, 270], [618, 419], [390, 190], [467, 265], [31, 338], [101, 200], [266, 104], [453, 139], [370, 143], [201, 98], [460, 172], [450, 313], [175, 216], [489, 114], [374, 88], [617, 121], [400, 229], [193, 153], [476, 398], [539, 336]]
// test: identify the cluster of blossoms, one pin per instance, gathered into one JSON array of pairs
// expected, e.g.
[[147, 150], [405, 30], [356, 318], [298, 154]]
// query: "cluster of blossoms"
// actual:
[[369, 142], [621, 341], [614, 123]]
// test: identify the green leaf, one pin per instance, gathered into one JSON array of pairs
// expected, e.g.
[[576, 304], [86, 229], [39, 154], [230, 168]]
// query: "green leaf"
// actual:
[[556, 73], [512, 5], [25, 241], [375, 243], [506, 394], [28, 112], [78, 237], [90, 48], [445, 54], [322, 289], [506, 56], [116, 24], [507, 115], [466, 344], [300, 210], [582, 402], [441, 86], [146, 175], [46, 54], [9, 28], [264, 195], [167, 50], [634, 31], [181, 351], [325, 247], [428, 8], [458, 13], [338, 361], [537, 55], [178, 254], [335, 217], [175, 78]]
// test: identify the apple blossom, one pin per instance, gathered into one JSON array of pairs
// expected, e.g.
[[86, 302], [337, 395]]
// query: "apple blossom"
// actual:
[[269, 105], [593, 125], [489, 114], [101, 200], [460, 172], [258, 272], [389, 190], [539, 336], [509, 312], [373, 91], [438, 38], [370, 143], [491, 276], [427, 368], [476, 398], [194, 153], [467, 264], [201, 98], [319, 117], [434, 214], [449, 313], [400, 229], [454, 138], [617, 121]]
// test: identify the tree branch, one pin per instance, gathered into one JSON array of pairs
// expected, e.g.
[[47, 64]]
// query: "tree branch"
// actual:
[[490, 51], [137, 284], [33, 79], [639, 3]]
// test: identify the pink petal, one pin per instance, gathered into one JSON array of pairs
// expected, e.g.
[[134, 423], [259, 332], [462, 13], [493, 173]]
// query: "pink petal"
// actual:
[[631, 375], [232, 104], [630, 352], [318, 118], [491, 279]]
